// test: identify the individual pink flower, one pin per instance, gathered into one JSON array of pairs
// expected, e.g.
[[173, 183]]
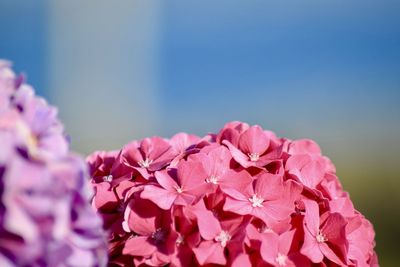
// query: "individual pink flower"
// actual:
[[184, 144], [180, 188], [255, 148], [218, 173], [306, 169], [152, 236], [108, 167], [148, 155], [218, 236], [231, 132], [324, 237], [309, 147], [275, 248], [267, 198], [188, 237], [257, 228], [107, 170]]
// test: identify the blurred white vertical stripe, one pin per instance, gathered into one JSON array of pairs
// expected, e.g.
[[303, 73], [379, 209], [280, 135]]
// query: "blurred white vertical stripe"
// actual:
[[103, 70]]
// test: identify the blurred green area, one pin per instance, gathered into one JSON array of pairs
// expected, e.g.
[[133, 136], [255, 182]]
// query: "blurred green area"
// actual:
[[370, 172]]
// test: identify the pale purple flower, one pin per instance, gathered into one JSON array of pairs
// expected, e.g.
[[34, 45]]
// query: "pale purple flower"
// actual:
[[45, 214]]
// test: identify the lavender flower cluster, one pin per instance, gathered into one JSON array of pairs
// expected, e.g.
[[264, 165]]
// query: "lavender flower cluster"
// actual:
[[45, 215]]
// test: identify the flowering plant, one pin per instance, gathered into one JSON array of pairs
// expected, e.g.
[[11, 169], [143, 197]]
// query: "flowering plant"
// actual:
[[45, 213], [242, 197]]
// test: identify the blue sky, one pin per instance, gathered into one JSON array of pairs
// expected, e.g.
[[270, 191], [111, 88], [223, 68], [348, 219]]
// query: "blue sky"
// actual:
[[23, 38], [287, 65], [254, 59]]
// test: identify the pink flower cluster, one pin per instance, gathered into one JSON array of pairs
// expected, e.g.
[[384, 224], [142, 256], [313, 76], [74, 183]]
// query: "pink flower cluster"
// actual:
[[45, 213], [242, 197]]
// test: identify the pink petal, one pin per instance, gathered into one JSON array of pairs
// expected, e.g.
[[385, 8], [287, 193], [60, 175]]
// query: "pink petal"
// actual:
[[304, 146], [269, 247], [311, 217], [231, 132], [181, 141], [238, 155], [285, 242], [254, 140], [308, 170], [263, 215], [209, 226], [278, 209], [360, 241], [236, 180], [184, 199], [342, 205], [154, 147], [269, 186], [310, 248], [334, 229], [165, 180], [138, 246], [210, 252], [124, 187], [330, 254], [252, 232], [221, 155], [238, 206], [297, 162], [191, 174], [358, 255], [243, 260], [206, 160], [140, 216], [229, 135], [131, 155], [235, 194], [163, 198], [313, 173], [163, 160], [105, 196], [143, 172]]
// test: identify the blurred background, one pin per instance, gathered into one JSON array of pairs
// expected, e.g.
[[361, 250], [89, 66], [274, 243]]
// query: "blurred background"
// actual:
[[326, 70]]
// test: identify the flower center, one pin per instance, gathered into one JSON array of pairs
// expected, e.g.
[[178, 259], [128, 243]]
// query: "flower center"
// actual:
[[265, 229], [159, 235], [254, 156], [321, 238], [180, 240], [145, 163], [108, 178], [281, 259], [212, 179], [223, 238], [179, 189], [256, 201]]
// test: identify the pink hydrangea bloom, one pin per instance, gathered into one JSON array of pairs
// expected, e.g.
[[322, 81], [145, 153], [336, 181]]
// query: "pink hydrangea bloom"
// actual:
[[45, 213], [241, 197]]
